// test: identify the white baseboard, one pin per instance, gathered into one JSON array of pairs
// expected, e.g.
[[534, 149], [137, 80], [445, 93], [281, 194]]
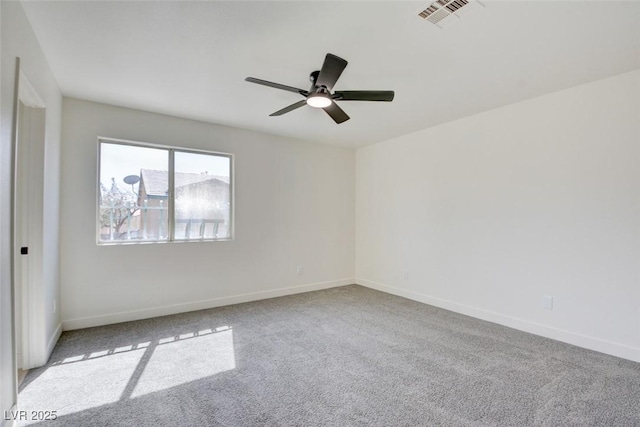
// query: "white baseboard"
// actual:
[[580, 340], [53, 340], [107, 319]]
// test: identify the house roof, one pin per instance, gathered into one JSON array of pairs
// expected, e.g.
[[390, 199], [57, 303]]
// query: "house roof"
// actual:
[[156, 182]]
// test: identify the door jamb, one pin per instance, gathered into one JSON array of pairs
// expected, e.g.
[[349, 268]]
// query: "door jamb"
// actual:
[[24, 93]]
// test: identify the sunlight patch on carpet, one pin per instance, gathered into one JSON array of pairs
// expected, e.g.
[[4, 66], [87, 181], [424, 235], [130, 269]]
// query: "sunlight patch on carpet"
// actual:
[[79, 383], [182, 359]]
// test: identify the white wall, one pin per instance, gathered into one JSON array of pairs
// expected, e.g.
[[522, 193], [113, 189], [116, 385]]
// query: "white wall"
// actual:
[[19, 40], [489, 213], [294, 206], [7, 351]]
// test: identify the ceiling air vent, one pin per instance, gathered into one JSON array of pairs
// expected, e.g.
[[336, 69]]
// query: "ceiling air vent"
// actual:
[[438, 11]]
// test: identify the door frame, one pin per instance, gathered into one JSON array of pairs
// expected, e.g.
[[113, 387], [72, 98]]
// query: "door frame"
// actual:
[[32, 339]]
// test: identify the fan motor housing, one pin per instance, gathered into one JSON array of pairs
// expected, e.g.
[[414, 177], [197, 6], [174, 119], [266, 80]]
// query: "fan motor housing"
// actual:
[[313, 78]]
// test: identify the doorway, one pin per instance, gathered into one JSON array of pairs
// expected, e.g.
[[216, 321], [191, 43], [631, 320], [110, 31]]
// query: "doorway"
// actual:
[[27, 223]]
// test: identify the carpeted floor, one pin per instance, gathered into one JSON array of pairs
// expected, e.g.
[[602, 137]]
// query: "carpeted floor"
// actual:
[[346, 356]]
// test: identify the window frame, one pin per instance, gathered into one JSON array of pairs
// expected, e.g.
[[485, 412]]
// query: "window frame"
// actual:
[[171, 150]]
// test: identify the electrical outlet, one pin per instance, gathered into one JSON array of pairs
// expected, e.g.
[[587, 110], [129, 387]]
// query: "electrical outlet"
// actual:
[[299, 270], [405, 275], [547, 302], [55, 306]]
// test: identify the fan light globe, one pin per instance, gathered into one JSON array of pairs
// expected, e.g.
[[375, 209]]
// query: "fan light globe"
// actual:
[[318, 100]]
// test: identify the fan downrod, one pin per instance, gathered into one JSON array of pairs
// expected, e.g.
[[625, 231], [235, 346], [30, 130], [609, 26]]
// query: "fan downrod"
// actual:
[[313, 78]]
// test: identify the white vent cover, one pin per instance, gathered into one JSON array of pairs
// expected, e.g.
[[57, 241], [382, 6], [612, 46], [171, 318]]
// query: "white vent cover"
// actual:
[[438, 11]]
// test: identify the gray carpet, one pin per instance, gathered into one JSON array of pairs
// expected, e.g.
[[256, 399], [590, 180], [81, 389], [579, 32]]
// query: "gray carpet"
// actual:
[[346, 356]]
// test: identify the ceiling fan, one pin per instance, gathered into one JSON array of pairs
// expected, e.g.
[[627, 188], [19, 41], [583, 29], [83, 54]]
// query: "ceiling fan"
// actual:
[[320, 95]]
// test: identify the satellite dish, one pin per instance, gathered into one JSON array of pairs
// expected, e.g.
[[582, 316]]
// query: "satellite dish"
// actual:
[[131, 179]]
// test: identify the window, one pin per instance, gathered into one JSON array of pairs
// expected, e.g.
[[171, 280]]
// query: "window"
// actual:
[[150, 193]]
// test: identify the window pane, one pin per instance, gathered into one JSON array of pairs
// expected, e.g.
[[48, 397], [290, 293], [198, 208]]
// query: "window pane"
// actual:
[[134, 184], [202, 196]]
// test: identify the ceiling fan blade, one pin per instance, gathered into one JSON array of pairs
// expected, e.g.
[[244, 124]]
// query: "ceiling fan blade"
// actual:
[[289, 108], [337, 114], [332, 68], [277, 86], [364, 95]]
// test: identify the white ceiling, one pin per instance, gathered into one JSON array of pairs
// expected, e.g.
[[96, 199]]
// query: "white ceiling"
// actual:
[[189, 59]]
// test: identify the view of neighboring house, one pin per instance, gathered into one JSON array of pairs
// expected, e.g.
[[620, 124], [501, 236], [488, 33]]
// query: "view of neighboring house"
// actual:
[[201, 208], [201, 204]]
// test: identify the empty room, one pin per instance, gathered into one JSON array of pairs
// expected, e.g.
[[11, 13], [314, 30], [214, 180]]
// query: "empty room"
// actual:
[[320, 213]]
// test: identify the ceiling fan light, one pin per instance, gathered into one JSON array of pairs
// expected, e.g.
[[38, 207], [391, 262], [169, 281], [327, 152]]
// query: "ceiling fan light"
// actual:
[[318, 100]]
